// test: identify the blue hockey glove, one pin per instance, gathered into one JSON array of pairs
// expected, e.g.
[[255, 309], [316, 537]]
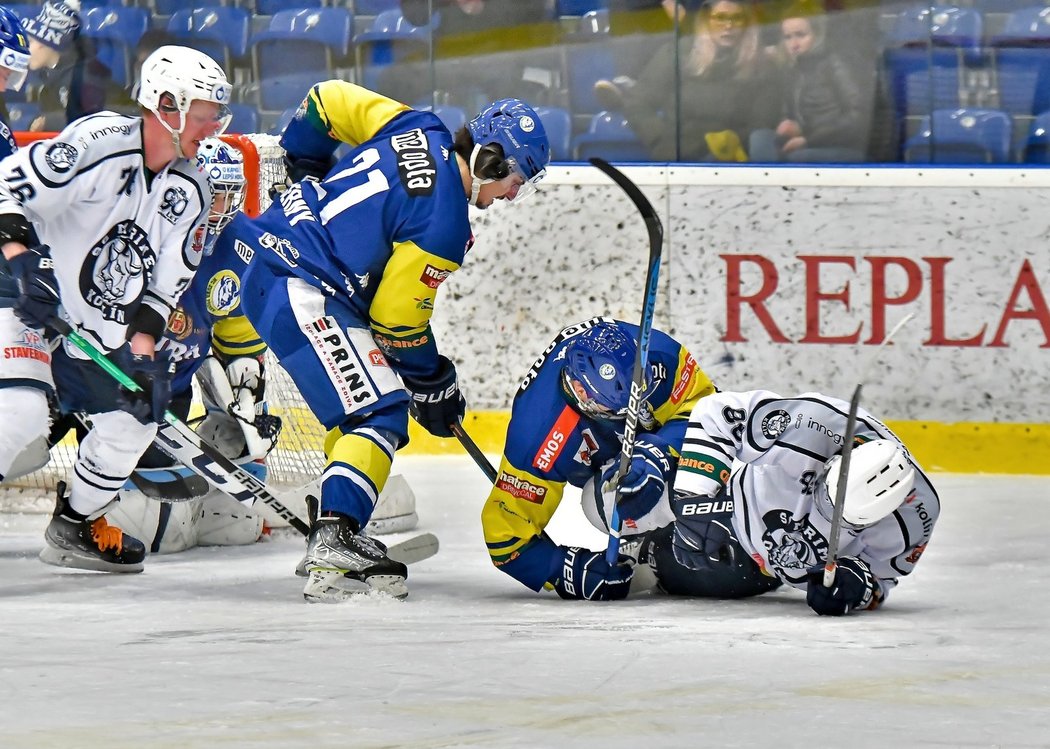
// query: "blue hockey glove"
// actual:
[[645, 481], [38, 295], [854, 587], [436, 402], [154, 377], [703, 530], [586, 575]]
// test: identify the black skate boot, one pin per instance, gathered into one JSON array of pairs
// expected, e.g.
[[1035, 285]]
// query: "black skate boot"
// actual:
[[89, 544], [341, 563]]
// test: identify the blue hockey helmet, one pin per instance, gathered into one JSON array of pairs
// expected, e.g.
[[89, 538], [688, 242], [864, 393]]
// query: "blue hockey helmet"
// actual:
[[224, 166], [516, 128], [601, 361], [14, 49]]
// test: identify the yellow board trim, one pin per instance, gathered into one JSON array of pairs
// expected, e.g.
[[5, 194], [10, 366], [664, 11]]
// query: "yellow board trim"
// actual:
[[966, 447]]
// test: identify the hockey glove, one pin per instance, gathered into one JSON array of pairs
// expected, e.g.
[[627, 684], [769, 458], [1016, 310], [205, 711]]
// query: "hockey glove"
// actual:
[[703, 531], [38, 296], [154, 377], [436, 402], [586, 575], [854, 588], [645, 481], [299, 169]]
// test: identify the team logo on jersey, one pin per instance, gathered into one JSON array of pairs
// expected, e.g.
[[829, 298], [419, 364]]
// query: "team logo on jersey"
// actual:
[[117, 270], [61, 157], [588, 447], [180, 325], [282, 247], [223, 293], [776, 423], [433, 277], [174, 204], [792, 546], [415, 165]]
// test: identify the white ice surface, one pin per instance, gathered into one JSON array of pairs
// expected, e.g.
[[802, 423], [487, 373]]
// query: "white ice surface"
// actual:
[[215, 647]]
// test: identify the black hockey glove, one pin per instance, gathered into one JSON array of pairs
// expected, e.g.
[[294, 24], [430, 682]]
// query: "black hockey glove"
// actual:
[[703, 530], [587, 575], [298, 169], [38, 296], [436, 402], [154, 377], [645, 482], [854, 587]]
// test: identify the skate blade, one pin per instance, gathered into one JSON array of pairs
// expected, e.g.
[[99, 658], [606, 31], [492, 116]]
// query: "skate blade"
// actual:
[[332, 586], [72, 560]]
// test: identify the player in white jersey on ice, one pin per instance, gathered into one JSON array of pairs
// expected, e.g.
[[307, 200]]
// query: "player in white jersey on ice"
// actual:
[[774, 510], [97, 226]]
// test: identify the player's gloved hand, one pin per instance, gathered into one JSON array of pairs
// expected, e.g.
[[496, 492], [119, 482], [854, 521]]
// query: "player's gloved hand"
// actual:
[[437, 403], [154, 377], [854, 587], [645, 481], [703, 530], [38, 296], [300, 168], [587, 575]]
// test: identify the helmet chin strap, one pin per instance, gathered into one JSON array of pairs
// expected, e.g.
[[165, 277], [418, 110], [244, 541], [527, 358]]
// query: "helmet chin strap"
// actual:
[[475, 181], [175, 141]]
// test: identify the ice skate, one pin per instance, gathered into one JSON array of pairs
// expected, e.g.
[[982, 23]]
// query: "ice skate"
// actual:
[[89, 544], [341, 563]]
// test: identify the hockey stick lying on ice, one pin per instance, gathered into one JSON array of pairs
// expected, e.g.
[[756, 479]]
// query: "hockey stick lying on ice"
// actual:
[[645, 328], [187, 447], [831, 562]]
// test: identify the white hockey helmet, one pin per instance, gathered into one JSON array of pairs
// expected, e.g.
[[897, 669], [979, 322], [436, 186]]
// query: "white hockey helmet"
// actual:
[[224, 166], [186, 75], [880, 479]]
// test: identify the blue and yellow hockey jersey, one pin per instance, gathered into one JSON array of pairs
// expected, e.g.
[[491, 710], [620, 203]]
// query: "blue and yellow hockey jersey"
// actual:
[[209, 313], [549, 444], [386, 226]]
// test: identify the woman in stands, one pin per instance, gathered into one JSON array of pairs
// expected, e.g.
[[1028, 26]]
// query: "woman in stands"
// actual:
[[727, 89]]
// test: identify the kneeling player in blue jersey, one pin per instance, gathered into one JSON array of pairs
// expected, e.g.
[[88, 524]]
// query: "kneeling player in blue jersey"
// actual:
[[342, 282], [566, 426]]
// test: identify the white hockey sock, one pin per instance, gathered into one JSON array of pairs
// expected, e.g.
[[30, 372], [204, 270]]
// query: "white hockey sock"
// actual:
[[107, 456]]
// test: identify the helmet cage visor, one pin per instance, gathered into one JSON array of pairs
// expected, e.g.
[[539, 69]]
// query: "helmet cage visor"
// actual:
[[18, 63]]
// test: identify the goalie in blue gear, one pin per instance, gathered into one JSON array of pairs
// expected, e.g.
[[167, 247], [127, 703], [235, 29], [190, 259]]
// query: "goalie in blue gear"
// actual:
[[343, 280]]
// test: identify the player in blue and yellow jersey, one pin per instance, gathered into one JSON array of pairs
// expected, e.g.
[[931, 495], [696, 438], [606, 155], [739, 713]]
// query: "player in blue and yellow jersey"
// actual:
[[344, 273], [14, 67], [566, 426]]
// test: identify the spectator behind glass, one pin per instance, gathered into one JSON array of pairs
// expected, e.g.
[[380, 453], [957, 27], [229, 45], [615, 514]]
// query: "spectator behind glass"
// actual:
[[727, 89], [826, 114], [73, 81]]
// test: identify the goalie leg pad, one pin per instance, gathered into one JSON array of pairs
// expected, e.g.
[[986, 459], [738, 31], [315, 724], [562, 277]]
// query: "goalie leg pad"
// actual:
[[25, 423], [226, 522], [396, 509], [165, 527]]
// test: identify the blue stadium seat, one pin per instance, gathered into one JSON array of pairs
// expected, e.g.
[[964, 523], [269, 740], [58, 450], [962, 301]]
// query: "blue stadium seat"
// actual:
[[115, 31], [312, 39], [270, 7], [611, 137], [961, 136], [245, 119], [217, 31], [453, 117], [284, 91], [375, 7], [578, 7], [21, 114], [24, 10], [558, 124], [585, 64], [390, 38], [1021, 56]]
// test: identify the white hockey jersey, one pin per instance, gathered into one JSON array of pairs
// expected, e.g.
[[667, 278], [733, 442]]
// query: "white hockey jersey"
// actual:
[[781, 445], [117, 241]]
